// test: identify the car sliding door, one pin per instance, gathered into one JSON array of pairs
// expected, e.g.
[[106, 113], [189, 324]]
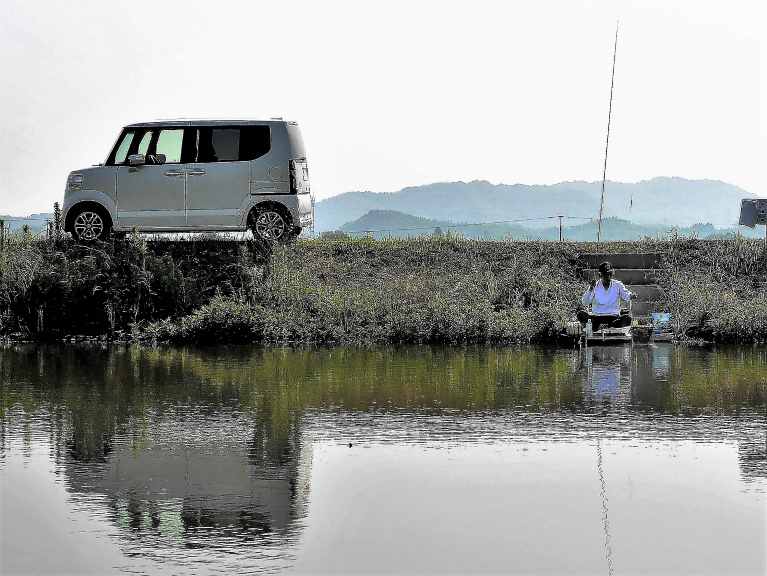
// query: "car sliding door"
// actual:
[[153, 196], [218, 182]]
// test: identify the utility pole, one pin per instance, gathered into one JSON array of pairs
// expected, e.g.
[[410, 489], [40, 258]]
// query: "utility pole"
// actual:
[[607, 144], [560, 226]]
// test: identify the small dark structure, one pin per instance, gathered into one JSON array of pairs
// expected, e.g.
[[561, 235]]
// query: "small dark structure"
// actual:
[[753, 212]]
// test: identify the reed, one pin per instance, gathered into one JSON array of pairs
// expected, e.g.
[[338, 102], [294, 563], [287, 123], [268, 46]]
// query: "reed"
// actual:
[[716, 290], [433, 289]]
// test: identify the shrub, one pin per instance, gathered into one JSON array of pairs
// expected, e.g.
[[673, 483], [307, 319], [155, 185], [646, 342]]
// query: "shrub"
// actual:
[[431, 289]]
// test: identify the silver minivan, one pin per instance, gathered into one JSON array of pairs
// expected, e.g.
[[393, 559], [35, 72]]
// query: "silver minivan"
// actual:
[[192, 176]]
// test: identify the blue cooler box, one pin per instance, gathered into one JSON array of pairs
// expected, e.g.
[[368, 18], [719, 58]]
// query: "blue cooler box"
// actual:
[[661, 322]]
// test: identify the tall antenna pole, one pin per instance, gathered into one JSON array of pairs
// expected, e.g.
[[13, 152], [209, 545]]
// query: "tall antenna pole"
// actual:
[[607, 144]]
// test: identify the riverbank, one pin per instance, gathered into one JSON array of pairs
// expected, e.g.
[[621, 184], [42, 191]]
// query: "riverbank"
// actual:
[[357, 291]]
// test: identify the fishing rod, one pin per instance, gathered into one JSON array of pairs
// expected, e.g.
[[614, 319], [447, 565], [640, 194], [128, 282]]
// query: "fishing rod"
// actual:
[[607, 144]]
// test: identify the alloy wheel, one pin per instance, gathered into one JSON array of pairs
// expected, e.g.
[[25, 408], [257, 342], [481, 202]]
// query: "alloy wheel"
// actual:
[[89, 225], [270, 225]]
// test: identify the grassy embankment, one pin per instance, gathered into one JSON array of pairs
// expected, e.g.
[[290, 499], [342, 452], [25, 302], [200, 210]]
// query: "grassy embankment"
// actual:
[[359, 291]]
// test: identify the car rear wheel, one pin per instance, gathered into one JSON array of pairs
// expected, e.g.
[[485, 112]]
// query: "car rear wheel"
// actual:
[[90, 224], [269, 224]]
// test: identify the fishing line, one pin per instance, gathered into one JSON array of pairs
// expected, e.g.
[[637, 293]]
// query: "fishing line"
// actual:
[[608, 547]]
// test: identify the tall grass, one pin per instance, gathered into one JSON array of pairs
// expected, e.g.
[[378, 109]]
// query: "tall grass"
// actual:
[[438, 289], [434, 289], [57, 288], [717, 289]]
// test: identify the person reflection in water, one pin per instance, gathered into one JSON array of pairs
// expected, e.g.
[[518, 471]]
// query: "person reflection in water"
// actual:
[[608, 370], [606, 373], [604, 296]]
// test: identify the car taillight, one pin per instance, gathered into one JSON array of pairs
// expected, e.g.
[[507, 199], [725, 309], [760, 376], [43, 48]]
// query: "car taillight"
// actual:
[[293, 178]]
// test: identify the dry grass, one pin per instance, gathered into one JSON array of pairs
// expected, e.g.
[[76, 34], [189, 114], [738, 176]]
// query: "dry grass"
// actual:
[[363, 291]]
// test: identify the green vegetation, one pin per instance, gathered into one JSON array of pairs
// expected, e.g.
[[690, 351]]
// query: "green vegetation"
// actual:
[[717, 290], [434, 289], [392, 291], [57, 288]]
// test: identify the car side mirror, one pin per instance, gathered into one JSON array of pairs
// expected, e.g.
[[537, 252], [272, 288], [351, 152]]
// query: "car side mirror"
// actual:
[[136, 159]]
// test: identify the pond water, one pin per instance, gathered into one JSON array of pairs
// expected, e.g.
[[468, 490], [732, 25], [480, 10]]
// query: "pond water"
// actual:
[[612, 460]]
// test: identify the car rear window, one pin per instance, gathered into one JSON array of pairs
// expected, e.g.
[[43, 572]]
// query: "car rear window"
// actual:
[[255, 141], [232, 143]]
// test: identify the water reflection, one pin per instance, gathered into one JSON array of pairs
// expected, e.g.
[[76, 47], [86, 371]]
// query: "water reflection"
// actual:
[[182, 472], [214, 449], [607, 378]]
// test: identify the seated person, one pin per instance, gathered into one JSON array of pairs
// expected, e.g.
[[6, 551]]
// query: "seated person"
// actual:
[[603, 296]]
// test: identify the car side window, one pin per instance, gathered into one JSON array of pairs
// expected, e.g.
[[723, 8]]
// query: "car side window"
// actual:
[[143, 146], [195, 144], [226, 144], [169, 143], [122, 149], [205, 150]]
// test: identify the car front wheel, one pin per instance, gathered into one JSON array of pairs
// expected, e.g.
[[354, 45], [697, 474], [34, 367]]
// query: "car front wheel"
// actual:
[[90, 224]]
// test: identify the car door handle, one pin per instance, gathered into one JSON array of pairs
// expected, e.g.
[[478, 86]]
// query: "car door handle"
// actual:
[[196, 172], [174, 172]]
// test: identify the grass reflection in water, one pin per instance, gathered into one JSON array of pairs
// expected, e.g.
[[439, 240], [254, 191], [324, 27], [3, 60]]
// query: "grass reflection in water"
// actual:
[[200, 448], [97, 392], [107, 388]]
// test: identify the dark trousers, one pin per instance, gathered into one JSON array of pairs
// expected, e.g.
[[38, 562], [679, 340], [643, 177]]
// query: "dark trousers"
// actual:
[[612, 321]]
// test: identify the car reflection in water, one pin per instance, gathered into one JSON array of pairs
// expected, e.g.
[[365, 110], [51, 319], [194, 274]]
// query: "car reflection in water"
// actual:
[[195, 481]]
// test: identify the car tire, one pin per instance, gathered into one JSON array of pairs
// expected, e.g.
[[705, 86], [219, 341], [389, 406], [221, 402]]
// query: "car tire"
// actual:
[[270, 224], [90, 224]]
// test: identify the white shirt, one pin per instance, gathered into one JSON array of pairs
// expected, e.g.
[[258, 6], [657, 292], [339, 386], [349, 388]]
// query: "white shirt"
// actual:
[[605, 302]]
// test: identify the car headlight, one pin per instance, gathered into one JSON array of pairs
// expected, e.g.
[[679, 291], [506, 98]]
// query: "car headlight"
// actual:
[[75, 181]]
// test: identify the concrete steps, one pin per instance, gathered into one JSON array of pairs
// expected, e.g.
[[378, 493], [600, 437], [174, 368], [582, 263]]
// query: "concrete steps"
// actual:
[[640, 261], [637, 276], [646, 293], [644, 310], [637, 271]]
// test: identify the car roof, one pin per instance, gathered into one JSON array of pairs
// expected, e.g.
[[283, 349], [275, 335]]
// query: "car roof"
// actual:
[[206, 122]]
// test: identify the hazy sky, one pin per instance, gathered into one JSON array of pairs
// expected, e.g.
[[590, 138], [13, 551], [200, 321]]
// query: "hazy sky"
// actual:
[[394, 94]]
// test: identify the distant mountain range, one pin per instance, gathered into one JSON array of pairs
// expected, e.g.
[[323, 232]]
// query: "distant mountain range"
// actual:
[[672, 202], [648, 208], [383, 223]]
